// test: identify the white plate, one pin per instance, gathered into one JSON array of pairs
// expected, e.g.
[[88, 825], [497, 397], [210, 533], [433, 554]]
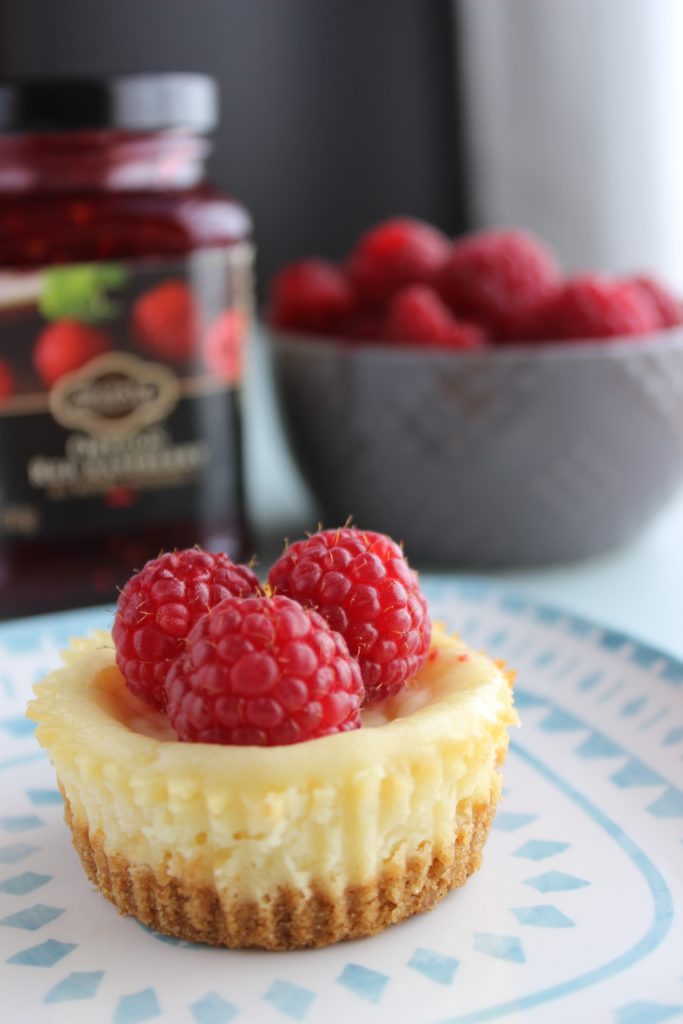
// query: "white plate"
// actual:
[[576, 914]]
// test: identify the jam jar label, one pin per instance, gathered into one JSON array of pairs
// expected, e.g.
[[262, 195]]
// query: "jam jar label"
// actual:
[[120, 393]]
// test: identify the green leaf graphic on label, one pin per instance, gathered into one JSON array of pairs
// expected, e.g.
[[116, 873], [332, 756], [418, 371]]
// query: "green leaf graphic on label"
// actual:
[[80, 292]]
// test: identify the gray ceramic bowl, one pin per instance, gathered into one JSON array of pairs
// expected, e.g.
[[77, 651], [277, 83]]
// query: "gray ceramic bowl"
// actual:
[[503, 458]]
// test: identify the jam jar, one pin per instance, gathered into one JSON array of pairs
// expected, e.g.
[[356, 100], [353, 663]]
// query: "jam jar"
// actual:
[[125, 297]]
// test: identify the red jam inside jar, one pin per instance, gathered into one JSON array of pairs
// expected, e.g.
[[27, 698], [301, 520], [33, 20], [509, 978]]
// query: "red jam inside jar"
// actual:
[[125, 294]]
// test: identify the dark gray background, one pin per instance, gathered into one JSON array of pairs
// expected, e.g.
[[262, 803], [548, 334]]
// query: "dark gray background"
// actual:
[[336, 113]]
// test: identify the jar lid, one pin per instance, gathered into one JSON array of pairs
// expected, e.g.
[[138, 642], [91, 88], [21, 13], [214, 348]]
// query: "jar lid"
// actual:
[[136, 103]]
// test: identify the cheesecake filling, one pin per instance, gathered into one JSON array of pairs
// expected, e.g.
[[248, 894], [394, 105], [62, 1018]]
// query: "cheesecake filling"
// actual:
[[337, 811]]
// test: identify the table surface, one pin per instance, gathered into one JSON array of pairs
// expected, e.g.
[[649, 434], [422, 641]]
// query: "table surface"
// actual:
[[638, 589]]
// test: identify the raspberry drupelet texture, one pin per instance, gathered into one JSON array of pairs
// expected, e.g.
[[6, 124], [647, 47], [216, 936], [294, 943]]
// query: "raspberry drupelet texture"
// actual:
[[669, 308], [158, 607], [310, 295], [397, 252], [65, 346], [263, 671], [165, 321], [417, 314], [595, 306], [496, 278], [361, 583]]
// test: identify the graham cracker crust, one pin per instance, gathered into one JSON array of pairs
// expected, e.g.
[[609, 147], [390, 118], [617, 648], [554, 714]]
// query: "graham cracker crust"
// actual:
[[288, 919]]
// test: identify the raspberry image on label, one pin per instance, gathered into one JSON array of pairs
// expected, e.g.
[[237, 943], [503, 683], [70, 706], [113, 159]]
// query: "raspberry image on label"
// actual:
[[223, 346], [7, 386], [65, 346], [165, 321]]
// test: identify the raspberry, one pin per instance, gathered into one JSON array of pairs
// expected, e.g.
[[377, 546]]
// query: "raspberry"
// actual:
[[496, 277], [223, 346], [6, 380], [363, 326], [263, 671], [416, 313], [165, 321], [361, 583], [395, 253], [312, 295], [669, 308], [159, 606], [65, 346], [595, 306]]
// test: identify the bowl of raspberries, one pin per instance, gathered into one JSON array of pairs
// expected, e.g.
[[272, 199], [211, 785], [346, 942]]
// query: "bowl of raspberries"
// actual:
[[470, 398]]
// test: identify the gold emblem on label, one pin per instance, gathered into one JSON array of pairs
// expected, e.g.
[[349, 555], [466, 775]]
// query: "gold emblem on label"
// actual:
[[115, 395]]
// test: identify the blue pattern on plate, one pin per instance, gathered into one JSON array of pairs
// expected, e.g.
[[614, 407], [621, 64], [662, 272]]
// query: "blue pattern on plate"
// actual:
[[594, 705], [20, 822], [137, 1006], [504, 947], [46, 954], [41, 797], [291, 1000], [540, 849], [32, 918], [434, 966], [646, 1013], [78, 985], [556, 881], [213, 1009], [543, 916], [14, 852], [363, 982], [20, 885]]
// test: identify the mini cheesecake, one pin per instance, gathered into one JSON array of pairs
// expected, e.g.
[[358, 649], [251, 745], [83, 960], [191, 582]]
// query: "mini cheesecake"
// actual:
[[279, 847]]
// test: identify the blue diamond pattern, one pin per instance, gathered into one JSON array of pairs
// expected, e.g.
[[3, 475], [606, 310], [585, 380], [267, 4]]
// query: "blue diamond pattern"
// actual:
[[171, 940], [44, 955], [434, 966], [363, 982], [589, 682], [213, 1009], [79, 985], [646, 1013], [20, 823], [673, 736], [41, 797], [669, 805], [513, 603], [503, 947], [548, 615], [543, 916], [20, 885], [632, 707], [32, 918], [645, 656], [556, 881], [545, 658], [291, 1000], [524, 699], [498, 638], [15, 852], [558, 720], [17, 727], [613, 640], [635, 773], [597, 745], [137, 1006], [580, 627], [673, 672], [540, 849], [506, 821]]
